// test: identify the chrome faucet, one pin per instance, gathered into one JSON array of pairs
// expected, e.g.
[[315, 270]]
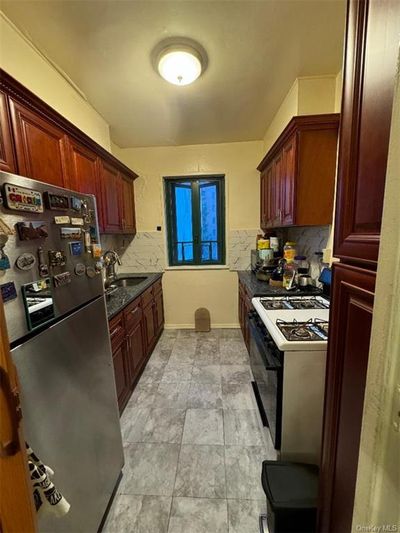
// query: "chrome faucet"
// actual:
[[111, 258]]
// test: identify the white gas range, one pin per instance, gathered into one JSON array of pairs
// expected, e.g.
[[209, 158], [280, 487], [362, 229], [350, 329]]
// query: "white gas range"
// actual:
[[288, 342], [295, 322]]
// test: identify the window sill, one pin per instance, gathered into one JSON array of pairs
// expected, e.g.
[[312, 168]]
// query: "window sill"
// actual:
[[198, 267]]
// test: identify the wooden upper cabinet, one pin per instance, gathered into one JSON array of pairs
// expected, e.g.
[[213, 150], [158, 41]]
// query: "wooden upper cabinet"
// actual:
[[84, 174], [300, 173], [41, 147], [128, 206], [111, 186], [287, 182], [7, 157], [368, 85]]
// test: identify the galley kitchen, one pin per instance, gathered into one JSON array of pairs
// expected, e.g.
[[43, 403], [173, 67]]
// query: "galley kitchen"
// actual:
[[199, 243]]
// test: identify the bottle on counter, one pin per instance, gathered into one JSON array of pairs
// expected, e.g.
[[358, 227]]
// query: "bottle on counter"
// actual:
[[289, 276], [289, 251]]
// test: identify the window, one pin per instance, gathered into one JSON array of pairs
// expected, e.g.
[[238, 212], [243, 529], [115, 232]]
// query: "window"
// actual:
[[195, 220]]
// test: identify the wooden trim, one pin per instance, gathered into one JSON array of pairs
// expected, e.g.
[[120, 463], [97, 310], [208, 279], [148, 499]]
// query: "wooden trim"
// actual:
[[302, 122], [17, 511], [23, 95]]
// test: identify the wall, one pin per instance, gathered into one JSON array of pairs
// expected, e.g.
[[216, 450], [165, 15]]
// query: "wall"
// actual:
[[310, 95], [378, 481], [22, 60], [187, 289]]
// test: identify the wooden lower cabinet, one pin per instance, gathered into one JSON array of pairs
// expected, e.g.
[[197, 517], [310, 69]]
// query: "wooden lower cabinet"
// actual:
[[245, 307], [149, 325], [121, 373], [134, 333], [346, 371]]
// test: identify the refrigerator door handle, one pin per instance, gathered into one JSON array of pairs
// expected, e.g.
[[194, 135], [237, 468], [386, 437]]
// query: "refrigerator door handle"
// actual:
[[11, 446]]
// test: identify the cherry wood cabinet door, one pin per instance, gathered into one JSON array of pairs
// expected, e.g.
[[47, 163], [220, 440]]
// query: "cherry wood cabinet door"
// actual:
[[276, 190], [269, 197], [288, 182], [347, 361], [263, 207], [136, 351], [128, 206], [368, 84], [158, 312], [84, 174], [122, 374], [41, 147], [7, 158], [111, 198], [149, 325]]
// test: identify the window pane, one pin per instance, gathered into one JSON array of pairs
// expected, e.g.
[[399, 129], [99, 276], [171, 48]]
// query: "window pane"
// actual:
[[184, 229], [209, 222]]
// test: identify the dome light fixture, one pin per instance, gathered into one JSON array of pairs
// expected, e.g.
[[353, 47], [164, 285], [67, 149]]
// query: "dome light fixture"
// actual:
[[180, 64]]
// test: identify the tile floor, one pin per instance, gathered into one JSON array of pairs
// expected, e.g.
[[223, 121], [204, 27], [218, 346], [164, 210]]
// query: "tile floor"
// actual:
[[192, 439]]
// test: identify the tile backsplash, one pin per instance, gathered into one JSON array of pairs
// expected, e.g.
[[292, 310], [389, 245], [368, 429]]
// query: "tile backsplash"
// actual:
[[309, 239], [146, 252]]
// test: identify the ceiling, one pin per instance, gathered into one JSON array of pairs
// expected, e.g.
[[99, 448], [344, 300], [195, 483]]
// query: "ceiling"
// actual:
[[255, 50]]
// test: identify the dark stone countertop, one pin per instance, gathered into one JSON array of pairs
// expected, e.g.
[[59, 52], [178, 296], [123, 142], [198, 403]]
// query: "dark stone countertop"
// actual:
[[256, 287], [122, 296]]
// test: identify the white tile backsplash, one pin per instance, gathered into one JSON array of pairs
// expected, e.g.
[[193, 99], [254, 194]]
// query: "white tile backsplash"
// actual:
[[309, 239]]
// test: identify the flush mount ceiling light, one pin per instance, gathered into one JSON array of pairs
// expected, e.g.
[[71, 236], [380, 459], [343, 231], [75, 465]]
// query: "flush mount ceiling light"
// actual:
[[180, 64]]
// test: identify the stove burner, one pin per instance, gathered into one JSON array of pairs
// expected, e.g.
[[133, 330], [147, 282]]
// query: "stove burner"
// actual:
[[312, 330], [290, 302]]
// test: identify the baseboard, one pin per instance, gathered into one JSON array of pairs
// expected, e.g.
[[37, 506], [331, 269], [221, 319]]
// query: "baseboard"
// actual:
[[191, 326]]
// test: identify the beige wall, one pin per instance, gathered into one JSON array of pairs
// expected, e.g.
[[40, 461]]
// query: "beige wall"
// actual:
[[186, 290], [310, 95], [20, 59]]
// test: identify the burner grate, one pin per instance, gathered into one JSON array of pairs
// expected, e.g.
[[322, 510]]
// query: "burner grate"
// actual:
[[288, 302], [312, 330]]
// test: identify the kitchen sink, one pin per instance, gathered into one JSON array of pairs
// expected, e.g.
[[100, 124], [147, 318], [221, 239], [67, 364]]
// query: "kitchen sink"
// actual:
[[127, 282]]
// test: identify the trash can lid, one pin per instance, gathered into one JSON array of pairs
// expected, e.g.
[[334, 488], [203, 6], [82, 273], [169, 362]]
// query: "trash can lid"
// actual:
[[290, 485]]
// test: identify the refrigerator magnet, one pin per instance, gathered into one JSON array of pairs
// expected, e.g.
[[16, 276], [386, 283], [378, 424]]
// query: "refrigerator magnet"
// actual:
[[90, 272], [22, 199], [25, 261], [29, 231], [76, 248], [80, 269], [96, 250], [8, 291], [71, 233], [77, 221], [62, 279], [62, 220]]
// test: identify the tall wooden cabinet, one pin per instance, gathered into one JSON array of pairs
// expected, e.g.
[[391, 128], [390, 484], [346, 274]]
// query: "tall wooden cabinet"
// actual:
[[298, 174], [369, 71]]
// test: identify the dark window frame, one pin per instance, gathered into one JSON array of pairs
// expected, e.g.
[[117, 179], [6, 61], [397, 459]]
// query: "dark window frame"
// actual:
[[170, 212]]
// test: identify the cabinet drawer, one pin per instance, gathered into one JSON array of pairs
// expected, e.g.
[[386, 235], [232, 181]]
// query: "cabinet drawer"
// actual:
[[133, 314], [147, 296], [117, 331], [157, 287]]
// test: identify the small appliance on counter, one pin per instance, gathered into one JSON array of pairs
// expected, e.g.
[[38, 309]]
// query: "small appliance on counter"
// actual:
[[53, 294]]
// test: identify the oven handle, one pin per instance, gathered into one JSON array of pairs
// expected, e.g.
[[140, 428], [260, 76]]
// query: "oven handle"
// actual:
[[271, 363]]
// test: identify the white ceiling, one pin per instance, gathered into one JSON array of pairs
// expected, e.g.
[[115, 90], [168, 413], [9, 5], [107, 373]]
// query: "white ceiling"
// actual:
[[255, 51]]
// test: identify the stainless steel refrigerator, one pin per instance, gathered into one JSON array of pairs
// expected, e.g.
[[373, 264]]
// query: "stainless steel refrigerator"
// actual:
[[52, 288]]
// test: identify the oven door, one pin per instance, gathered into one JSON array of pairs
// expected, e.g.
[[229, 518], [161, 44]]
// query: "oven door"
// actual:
[[267, 371]]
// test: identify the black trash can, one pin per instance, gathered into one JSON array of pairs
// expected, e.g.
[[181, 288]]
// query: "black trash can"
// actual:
[[291, 490]]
